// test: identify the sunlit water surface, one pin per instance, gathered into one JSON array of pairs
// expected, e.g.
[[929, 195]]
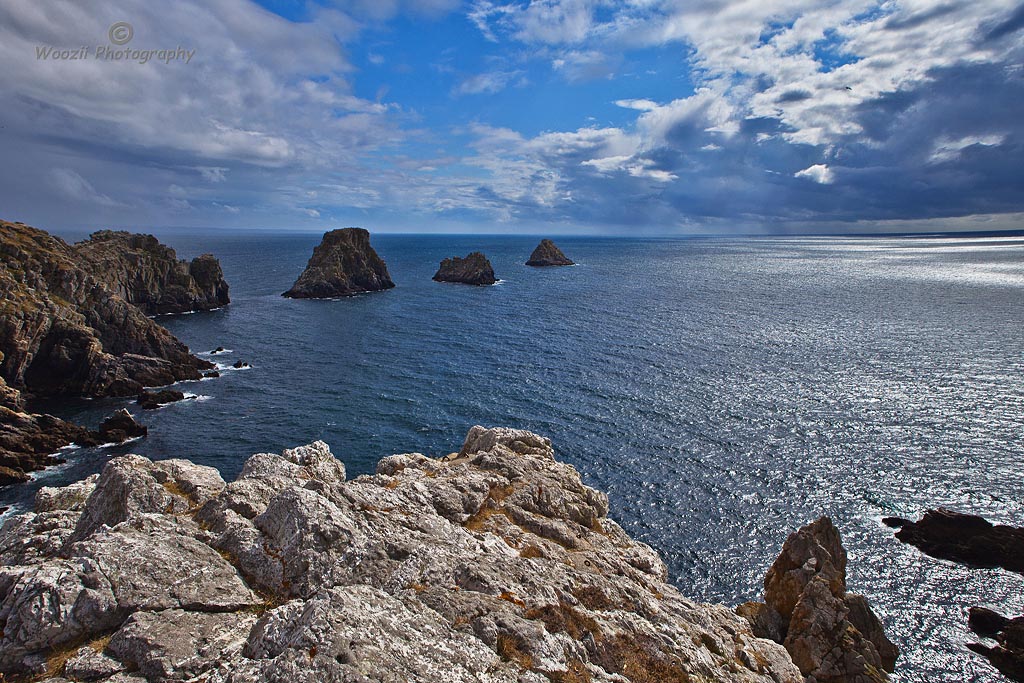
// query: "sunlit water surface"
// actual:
[[723, 392]]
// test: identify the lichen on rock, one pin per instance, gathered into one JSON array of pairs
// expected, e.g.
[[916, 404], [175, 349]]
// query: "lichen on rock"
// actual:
[[494, 564]]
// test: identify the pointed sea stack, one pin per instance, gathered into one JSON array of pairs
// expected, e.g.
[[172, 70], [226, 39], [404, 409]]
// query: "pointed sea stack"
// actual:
[[344, 264], [475, 269], [547, 254]]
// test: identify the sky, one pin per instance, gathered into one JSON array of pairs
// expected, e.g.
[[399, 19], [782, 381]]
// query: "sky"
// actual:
[[550, 116]]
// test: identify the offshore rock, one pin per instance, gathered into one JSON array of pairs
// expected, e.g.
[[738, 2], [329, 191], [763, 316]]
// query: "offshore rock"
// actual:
[[148, 274], [547, 254], [832, 636], [64, 333], [475, 269], [151, 400], [342, 265], [968, 539], [493, 565], [1008, 654], [121, 426]]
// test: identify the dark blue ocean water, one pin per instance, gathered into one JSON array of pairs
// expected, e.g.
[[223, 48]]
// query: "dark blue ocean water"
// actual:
[[722, 391]]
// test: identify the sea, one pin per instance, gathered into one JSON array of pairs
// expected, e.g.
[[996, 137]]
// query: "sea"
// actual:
[[722, 391]]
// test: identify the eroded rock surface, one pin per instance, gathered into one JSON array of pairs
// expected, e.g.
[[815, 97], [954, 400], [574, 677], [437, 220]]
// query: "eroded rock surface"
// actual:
[[494, 564], [148, 274], [832, 636], [475, 269], [547, 254], [342, 264]]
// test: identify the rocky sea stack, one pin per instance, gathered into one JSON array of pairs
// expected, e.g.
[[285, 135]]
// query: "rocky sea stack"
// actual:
[[342, 265], [832, 635], [547, 254], [148, 274], [494, 564], [475, 269], [64, 333]]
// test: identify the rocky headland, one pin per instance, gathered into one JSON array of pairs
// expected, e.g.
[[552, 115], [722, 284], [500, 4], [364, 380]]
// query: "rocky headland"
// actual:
[[63, 332], [148, 274], [547, 254], [342, 264], [492, 564], [475, 269]]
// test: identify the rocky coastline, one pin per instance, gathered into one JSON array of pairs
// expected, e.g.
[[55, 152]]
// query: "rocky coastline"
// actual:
[[495, 563], [343, 264], [65, 332], [474, 269], [149, 275]]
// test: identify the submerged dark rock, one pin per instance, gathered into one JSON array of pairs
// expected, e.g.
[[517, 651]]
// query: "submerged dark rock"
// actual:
[[1008, 653], [150, 400], [497, 564], [833, 636], [547, 254], [964, 538], [343, 264], [475, 269], [64, 333], [148, 274], [239, 364]]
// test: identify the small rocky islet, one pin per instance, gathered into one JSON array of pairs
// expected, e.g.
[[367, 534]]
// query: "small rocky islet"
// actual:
[[343, 264], [474, 269], [495, 563], [547, 254]]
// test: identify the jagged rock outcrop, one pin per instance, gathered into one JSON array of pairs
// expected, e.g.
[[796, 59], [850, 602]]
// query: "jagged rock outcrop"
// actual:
[[151, 400], [832, 636], [343, 264], [148, 274], [475, 269], [1008, 653], [969, 539], [63, 333], [495, 564], [547, 254], [120, 427]]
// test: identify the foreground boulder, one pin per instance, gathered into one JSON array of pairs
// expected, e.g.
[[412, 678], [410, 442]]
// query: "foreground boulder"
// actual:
[[832, 636], [547, 254], [495, 564], [148, 274], [475, 269], [969, 539], [64, 333], [342, 265]]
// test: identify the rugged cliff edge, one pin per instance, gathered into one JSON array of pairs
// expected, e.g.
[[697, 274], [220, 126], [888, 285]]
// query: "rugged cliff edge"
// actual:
[[494, 564], [148, 274], [63, 333], [343, 264], [547, 254], [475, 269]]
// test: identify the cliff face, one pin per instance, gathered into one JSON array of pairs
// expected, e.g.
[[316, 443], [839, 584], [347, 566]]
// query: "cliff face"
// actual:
[[148, 274], [475, 269], [547, 254], [342, 265], [496, 564], [63, 333]]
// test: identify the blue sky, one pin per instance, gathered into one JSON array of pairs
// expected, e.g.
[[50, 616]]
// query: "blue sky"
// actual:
[[551, 116]]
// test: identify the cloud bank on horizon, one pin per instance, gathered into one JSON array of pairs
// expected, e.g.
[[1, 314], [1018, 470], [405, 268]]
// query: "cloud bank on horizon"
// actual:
[[691, 116]]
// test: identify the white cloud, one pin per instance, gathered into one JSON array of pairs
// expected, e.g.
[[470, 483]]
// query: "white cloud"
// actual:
[[490, 82], [819, 173], [72, 185], [947, 150]]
